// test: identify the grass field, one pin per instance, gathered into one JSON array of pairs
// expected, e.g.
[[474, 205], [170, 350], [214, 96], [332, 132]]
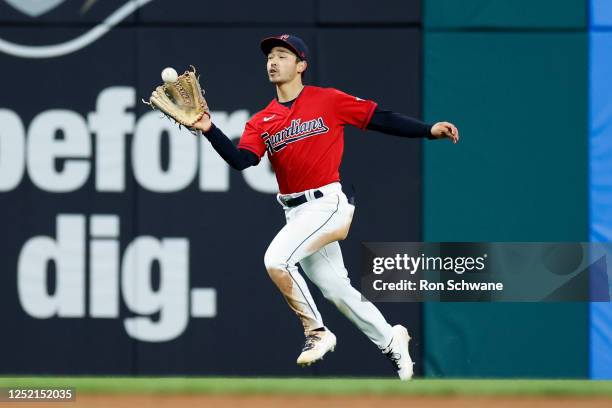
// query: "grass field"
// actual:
[[325, 386]]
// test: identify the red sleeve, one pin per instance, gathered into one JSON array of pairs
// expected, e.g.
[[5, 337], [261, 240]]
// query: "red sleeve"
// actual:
[[352, 110], [251, 140]]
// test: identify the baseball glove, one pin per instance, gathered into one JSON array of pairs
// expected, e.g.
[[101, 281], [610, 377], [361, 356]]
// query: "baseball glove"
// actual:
[[181, 100]]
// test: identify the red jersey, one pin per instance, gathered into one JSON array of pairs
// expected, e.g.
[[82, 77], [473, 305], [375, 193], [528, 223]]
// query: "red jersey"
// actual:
[[305, 142]]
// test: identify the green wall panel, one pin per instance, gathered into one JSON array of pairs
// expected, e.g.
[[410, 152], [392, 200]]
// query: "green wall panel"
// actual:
[[518, 174], [505, 13], [520, 171], [509, 340]]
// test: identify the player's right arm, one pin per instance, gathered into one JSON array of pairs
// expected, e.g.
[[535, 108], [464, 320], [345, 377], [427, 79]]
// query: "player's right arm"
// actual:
[[238, 158]]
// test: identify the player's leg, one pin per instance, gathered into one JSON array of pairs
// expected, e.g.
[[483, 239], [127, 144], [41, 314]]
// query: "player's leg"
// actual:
[[284, 272], [309, 227], [289, 281], [326, 269]]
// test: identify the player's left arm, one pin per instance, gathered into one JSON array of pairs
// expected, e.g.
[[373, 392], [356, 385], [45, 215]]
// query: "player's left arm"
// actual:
[[397, 124], [365, 114]]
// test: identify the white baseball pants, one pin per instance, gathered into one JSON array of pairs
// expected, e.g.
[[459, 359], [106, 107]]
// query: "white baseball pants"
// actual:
[[310, 238]]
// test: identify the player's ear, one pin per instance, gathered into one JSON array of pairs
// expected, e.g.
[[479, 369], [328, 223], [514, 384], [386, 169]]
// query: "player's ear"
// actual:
[[302, 65]]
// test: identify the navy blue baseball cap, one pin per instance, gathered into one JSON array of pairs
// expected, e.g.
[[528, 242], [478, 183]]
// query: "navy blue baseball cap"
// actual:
[[291, 42]]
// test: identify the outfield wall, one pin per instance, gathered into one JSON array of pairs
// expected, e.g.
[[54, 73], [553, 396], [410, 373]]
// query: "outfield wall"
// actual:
[[130, 247], [513, 75]]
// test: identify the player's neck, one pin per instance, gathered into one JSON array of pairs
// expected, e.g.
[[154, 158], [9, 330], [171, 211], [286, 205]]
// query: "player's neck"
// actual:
[[288, 91]]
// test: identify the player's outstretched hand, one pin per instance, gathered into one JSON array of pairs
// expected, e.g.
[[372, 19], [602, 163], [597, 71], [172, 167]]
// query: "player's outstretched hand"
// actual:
[[443, 130], [203, 124]]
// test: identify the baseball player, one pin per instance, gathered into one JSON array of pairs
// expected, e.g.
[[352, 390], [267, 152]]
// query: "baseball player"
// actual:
[[302, 131]]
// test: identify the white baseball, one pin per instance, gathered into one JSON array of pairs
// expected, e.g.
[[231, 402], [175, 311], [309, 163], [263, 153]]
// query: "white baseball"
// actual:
[[169, 75]]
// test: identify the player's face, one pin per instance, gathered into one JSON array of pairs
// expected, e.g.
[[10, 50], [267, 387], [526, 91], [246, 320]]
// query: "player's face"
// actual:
[[283, 65]]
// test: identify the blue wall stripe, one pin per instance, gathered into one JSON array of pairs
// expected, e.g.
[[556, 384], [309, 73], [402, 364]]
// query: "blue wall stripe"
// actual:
[[600, 173], [601, 14]]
